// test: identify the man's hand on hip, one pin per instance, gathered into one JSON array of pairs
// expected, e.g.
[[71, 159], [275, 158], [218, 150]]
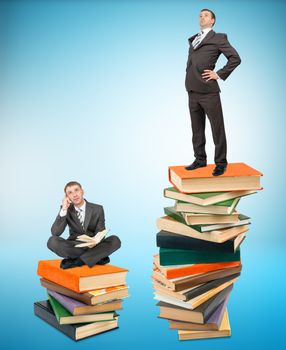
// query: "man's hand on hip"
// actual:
[[210, 75]]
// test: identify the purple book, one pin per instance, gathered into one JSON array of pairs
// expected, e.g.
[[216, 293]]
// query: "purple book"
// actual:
[[68, 303], [217, 315]]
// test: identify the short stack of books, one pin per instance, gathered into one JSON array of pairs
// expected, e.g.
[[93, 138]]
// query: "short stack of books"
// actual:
[[82, 301], [199, 248]]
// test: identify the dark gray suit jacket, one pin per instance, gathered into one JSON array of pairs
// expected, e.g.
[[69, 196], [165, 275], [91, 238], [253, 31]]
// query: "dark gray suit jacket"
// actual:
[[94, 222], [204, 57]]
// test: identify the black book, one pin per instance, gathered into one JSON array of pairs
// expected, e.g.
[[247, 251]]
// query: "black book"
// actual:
[[194, 292], [198, 315], [171, 240], [44, 310]]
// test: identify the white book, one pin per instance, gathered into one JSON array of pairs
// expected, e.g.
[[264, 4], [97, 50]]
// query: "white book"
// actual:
[[91, 242]]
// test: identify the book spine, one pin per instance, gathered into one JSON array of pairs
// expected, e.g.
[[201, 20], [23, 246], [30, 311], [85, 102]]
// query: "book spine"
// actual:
[[211, 307], [171, 240], [182, 256], [48, 317], [208, 286]]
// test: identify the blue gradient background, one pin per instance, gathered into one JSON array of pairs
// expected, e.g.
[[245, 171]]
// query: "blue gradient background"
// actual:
[[94, 91]]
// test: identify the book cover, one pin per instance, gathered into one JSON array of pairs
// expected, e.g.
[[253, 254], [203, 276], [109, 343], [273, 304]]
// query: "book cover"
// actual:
[[71, 278], [177, 271], [201, 180], [43, 310], [204, 199], [165, 239], [184, 256]]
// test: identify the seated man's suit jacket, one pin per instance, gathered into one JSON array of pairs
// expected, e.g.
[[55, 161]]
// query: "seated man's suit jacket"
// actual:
[[94, 222], [205, 56]]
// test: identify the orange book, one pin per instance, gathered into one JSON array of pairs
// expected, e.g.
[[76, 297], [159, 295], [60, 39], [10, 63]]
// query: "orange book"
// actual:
[[83, 278], [238, 177], [195, 269]]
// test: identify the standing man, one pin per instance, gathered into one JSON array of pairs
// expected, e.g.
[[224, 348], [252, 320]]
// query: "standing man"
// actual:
[[81, 217], [203, 89]]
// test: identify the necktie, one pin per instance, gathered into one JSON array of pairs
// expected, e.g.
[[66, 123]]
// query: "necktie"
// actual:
[[79, 215], [197, 40]]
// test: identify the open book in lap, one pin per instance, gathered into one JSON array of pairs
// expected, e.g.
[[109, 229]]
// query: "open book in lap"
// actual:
[[91, 242]]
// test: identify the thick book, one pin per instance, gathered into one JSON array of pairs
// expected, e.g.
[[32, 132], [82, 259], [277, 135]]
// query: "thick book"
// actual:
[[199, 315], [212, 323], [165, 239], [92, 297], [76, 307], [43, 310], [177, 271], [84, 278], [169, 224], [196, 301], [178, 284], [65, 317], [209, 198], [238, 177], [187, 256], [193, 292], [223, 331]]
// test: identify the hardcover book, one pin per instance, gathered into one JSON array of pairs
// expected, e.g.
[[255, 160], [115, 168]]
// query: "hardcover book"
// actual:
[[238, 177], [43, 310], [209, 198], [212, 323], [65, 317], [84, 278], [178, 284], [177, 271], [91, 297], [169, 224], [76, 307], [223, 331], [199, 315], [170, 240], [184, 256]]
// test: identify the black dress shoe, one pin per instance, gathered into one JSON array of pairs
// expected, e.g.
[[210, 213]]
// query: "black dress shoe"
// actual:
[[103, 261], [195, 165], [70, 263], [219, 170]]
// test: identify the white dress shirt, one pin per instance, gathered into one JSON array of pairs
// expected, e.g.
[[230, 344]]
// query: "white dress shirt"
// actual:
[[204, 33]]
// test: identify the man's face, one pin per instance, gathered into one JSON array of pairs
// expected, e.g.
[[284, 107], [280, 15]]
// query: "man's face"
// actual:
[[75, 194], [206, 20]]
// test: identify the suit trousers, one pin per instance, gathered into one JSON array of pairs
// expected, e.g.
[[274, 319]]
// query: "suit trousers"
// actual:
[[90, 256], [200, 105]]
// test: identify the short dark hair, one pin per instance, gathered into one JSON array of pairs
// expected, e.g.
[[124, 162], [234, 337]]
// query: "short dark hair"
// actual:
[[212, 13], [72, 183]]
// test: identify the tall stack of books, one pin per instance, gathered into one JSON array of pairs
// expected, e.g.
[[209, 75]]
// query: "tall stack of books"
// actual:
[[82, 301], [199, 248]]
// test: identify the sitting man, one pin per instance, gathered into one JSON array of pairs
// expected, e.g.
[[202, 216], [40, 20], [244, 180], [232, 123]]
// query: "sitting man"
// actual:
[[81, 217]]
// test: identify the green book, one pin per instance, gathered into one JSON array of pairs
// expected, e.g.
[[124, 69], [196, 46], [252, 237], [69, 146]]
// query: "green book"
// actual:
[[58, 309], [206, 199], [63, 316], [171, 211], [224, 208], [227, 203], [185, 257]]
